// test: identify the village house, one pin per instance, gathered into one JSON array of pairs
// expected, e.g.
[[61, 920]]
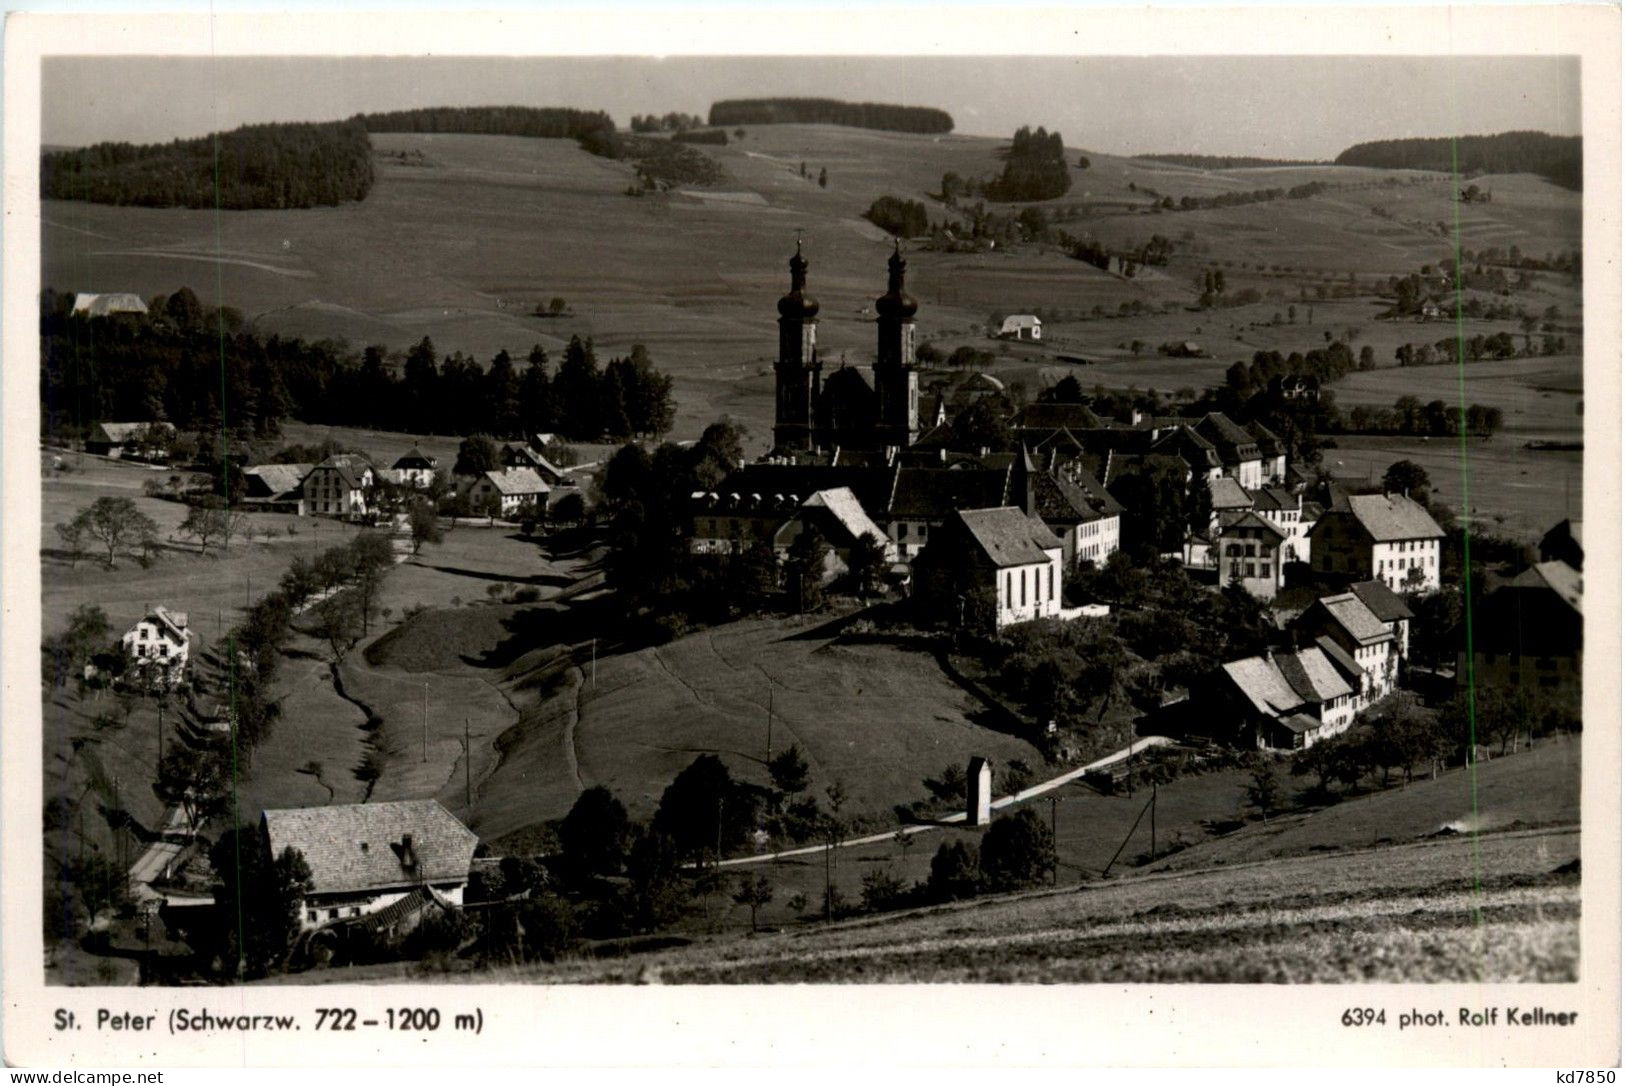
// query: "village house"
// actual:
[[386, 861], [1385, 537], [276, 488], [1361, 644], [1080, 511], [157, 647], [990, 567], [519, 455], [105, 305], [1284, 509], [753, 502], [1272, 454], [415, 468], [1238, 450], [504, 492], [841, 522], [1021, 326], [1283, 701], [1250, 554], [1528, 637], [130, 440], [1390, 610], [343, 485], [923, 500]]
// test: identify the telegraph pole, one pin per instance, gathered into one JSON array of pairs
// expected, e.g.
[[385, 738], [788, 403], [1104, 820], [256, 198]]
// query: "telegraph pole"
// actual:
[[595, 663], [770, 718], [468, 772], [425, 721], [1055, 864], [1153, 818]]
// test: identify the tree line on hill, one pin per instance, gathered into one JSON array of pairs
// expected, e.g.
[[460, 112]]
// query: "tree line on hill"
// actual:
[[262, 166], [890, 118], [203, 371], [1559, 159], [1035, 168], [537, 123]]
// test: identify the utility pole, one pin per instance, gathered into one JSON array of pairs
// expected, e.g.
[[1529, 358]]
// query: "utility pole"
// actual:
[[1153, 819], [468, 771], [595, 663], [770, 718], [161, 731], [1055, 865], [425, 721]]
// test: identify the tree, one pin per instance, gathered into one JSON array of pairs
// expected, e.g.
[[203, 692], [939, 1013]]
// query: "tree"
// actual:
[[425, 524], [259, 897], [823, 178], [655, 894], [72, 533], [338, 622], [753, 893], [865, 564], [1017, 852], [1409, 478], [789, 771], [594, 835], [476, 455], [955, 872], [116, 523], [1264, 791], [195, 780], [702, 809], [210, 520], [804, 568], [67, 652]]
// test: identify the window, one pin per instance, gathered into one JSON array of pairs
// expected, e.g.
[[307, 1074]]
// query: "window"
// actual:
[[922, 531], [314, 916], [1052, 582], [902, 531], [1009, 590], [1023, 588], [332, 914]]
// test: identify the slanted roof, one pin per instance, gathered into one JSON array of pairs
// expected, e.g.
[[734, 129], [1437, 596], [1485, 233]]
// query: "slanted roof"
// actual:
[[1299, 723], [1559, 577], [1275, 499], [415, 458], [870, 484], [1188, 445], [1340, 659], [357, 847], [101, 305], [843, 507], [1310, 673], [1268, 443], [1226, 436], [1229, 522], [1227, 493], [279, 478], [120, 432], [1009, 537], [510, 482], [1021, 320], [935, 493], [1381, 600], [171, 624], [1351, 613], [1264, 686], [351, 467], [1390, 517]]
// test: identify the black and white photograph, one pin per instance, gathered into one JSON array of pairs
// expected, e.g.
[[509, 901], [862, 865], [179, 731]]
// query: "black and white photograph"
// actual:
[[747, 519]]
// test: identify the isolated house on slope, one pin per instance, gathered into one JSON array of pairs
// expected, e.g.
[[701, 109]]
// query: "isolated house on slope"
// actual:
[[136, 440], [1384, 537], [157, 647], [366, 858], [415, 468], [1022, 326], [278, 487]]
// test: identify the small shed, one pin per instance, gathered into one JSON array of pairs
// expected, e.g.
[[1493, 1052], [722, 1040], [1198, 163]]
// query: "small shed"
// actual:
[[1022, 326]]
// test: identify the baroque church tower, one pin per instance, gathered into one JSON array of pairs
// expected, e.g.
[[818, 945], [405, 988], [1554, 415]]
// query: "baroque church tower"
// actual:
[[896, 383], [798, 374]]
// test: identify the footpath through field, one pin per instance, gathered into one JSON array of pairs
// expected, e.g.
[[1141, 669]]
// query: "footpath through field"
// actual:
[[998, 804]]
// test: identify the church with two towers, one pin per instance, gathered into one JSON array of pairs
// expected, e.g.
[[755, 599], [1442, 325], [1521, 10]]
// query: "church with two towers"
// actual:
[[815, 413]]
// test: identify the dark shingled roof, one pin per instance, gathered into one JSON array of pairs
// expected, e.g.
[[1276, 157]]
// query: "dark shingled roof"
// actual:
[[357, 847], [1189, 446], [1248, 519], [1274, 499], [1349, 612], [1343, 661], [1009, 537], [350, 467], [1227, 493], [1268, 443], [1381, 601], [415, 458], [931, 493], [871, 485]]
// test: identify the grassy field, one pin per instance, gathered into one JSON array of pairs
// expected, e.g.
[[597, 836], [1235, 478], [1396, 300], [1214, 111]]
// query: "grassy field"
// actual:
[[463, 249]]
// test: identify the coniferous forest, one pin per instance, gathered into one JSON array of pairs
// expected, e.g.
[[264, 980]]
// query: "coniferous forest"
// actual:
[[1034, 169], [889, 118], [1556, 158], [551, 123], [204, 369], [262, 166]]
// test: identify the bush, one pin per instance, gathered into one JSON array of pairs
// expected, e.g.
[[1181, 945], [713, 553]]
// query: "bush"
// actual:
[[954, 872], [1017, 852]]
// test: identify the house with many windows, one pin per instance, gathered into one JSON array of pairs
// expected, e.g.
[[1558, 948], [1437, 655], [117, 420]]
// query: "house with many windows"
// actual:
[[1360, 644], [343, 485], [1384, 537], [504, 492], [1251, 553], [1282, 700]]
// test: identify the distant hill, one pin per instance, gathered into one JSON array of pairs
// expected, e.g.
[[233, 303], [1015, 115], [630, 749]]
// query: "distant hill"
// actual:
[[739, 111], [1226, 162], [1556, 158], [263, 166]]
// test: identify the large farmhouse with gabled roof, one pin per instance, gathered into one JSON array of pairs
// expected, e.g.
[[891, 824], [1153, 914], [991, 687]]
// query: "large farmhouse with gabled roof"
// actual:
[[365, 858], [1284, 701], [343, 485], [1002, 564]]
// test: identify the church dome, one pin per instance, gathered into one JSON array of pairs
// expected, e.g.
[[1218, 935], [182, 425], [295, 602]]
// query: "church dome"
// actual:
[[896, 302], [798, 304]]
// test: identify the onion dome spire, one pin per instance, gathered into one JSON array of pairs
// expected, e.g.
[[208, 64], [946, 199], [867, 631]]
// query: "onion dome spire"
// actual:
[[896, 302], [798, 303]]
